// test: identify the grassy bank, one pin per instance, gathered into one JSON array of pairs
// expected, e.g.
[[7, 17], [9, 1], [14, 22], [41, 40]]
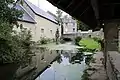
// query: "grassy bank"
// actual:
[[90, 43], [90, 46]]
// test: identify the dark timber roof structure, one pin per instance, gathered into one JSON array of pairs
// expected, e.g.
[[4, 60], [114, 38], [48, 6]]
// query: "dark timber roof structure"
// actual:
[[91, 12]]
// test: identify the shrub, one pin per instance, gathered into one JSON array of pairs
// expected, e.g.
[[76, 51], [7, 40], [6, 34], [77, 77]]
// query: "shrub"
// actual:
[[96, 39], [77, 40], [67, 39], [16, 49], [62, 41], [53, 40], [90, 44], [43, 40]]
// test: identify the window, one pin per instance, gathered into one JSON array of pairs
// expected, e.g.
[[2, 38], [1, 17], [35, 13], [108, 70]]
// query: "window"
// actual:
[[66, 23], [73, 24], [50, 31], [73, 29], [42, 30]]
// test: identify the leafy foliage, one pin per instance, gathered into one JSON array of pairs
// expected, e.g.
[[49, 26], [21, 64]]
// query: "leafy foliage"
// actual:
[[77, 40], [44, 40], [59, 19], [59, 15], [14, 48], [88, 50], [8, 13], [90, 43], [82, 26], [97, 39]]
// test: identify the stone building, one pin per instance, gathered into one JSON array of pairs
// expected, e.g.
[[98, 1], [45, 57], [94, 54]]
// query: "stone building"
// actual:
[[41, 23], [69, 25]]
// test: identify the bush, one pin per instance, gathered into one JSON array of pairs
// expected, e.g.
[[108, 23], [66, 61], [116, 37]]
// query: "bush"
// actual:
[[97, 39], [90, 44], [77, 40], [16, 48], [53, 40], [88, 50], [67, 39], [43, 40]]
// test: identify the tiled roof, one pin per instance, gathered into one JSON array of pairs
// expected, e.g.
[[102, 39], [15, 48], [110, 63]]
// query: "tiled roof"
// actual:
[[40, 12], [26, 16]]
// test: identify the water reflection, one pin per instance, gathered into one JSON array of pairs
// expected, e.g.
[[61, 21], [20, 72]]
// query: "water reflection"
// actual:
[[68, 66], [77, 58], [59, 60]]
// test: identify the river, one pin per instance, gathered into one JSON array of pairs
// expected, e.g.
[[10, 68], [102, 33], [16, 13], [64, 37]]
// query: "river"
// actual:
[[69, 66]]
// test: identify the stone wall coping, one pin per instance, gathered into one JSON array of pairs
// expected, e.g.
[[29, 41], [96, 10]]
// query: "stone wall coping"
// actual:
[[115, 59]]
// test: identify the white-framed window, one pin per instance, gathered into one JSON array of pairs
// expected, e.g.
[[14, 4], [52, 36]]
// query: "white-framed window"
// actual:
[[42, 30], [73, 29], [50, 31], [73, 24], [66, 24]]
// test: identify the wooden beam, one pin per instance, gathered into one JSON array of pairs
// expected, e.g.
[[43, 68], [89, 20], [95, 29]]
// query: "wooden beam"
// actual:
[[94, 4], [85, 10], [58, 2], [111, 4], [77, 7], [69, 4], [60, 7]]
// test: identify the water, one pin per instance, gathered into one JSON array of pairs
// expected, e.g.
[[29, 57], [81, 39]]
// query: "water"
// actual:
[[69, 66]]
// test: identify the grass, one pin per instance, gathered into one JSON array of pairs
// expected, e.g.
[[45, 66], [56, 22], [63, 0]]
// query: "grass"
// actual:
[[90, 43]]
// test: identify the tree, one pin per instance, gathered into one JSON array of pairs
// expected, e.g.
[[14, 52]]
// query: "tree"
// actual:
[[81, 25], [59, 19], [59, 16], [13, 47]]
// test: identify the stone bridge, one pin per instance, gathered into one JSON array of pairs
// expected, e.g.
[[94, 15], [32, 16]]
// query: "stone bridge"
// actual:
[[70, 36], [83, 34]]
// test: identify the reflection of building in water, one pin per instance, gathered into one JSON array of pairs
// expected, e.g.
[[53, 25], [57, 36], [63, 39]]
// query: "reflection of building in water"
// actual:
[[72, 55], [69, 54], [77, 58], [66, 54]]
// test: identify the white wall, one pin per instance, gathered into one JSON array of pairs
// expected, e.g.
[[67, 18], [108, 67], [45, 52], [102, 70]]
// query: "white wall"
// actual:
[[68, 28], [41, 24], [29, 26], [47, 25]]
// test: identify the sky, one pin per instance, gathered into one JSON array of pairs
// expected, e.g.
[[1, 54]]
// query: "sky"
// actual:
[[45, 5]]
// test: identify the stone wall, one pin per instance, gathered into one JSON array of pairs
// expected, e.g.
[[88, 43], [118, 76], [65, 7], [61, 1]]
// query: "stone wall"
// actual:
[[84, 34], [112, 65]]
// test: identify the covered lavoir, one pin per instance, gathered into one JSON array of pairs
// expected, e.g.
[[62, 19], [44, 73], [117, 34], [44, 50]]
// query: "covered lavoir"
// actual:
[[98, 14]]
